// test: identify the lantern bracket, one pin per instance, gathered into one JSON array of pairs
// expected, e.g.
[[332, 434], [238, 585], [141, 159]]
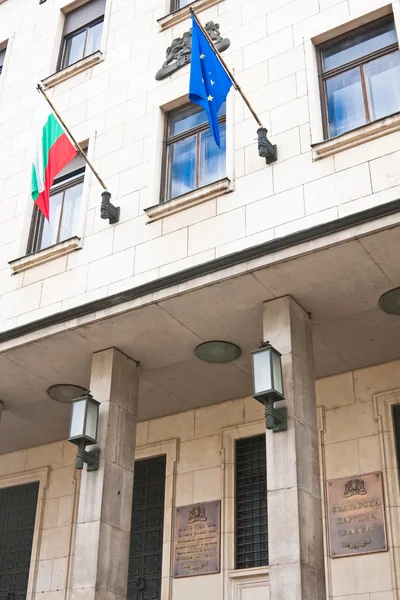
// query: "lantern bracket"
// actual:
[[275, 418], [90, 458]]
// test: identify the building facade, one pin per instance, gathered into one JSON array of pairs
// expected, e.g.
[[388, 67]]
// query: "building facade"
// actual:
[[210, 244]]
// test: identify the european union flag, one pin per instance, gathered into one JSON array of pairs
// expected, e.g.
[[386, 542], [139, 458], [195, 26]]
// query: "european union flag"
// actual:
[[209, 82]]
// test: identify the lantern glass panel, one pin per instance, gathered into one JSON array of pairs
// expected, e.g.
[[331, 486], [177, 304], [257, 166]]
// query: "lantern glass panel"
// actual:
[[277, 371], [91, 420], [78, 419], [262, 371]]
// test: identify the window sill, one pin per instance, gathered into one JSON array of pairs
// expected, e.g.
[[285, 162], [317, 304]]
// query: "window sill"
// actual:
[[252, 572], [184, 13], [165, 209], [68, 72], [358, 136], [42, 256]]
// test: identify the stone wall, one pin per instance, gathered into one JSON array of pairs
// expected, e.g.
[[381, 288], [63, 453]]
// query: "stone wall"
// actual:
[[53, 465], [356, 436], [119, 107], [356, 433]]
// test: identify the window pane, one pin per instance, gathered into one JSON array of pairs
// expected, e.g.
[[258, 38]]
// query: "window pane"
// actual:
[[49, 233], [182, 3], [359, 45], [74, 48], [189, 118], [382, 78], [93, 39], [182, 157], [345, 102], [186, 119], [2, 57], [212, 159], [69, 220], [78, 18]]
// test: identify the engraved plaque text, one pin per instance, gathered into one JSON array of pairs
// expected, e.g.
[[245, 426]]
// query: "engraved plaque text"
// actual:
[[197, 539], [356, 517]]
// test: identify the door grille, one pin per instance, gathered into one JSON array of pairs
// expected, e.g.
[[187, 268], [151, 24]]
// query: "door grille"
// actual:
[[145, 556], [17, 524]]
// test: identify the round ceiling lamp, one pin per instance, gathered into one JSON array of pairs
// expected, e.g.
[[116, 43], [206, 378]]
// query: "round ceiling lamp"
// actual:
[[217, 352], [65, 392], [390, 302]]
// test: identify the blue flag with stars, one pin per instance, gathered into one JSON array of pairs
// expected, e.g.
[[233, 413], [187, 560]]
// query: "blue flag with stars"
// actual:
[[209, 82]]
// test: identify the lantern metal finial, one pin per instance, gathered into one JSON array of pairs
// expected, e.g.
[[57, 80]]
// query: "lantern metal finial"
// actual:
[[268, 385]]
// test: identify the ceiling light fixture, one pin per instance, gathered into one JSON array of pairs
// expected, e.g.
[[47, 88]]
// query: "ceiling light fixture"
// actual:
[[217, 352], [65, 392], [390, 302]]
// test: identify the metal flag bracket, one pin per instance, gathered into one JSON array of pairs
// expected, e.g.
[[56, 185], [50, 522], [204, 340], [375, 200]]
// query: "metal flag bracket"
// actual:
[[108, 210], [265, 148]]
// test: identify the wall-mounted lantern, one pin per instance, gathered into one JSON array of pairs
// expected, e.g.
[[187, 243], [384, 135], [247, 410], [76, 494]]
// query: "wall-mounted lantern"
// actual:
[[83, 430], [268, 385]]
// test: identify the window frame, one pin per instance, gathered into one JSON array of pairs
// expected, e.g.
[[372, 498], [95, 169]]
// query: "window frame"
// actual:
[[395, 415], [62, 184], [170, 140], [72, 34], [175, 5], [324, 76], [3, 51]]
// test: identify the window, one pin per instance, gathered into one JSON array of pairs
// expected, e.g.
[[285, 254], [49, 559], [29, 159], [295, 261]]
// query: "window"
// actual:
[[396, 427], [192, 157], [2, 58], [65, 202], [251, 503], [146, 543], [360, 78], [177, 4], [82, 32]]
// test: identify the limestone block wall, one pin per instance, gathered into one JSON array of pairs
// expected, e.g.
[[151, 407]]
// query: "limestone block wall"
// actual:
[[119, 107], [200, 468], [53, 465], [356, 437]]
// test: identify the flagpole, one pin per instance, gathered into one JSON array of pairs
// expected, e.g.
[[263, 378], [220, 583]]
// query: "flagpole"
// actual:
[[225, 66], [77, 146]]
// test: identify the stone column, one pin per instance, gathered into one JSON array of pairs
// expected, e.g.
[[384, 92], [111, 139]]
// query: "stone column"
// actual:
[[296, 553], [101, 553]]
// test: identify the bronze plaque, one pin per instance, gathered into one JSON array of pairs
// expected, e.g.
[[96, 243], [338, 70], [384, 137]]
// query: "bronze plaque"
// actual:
[[356, 517], [197, 539]]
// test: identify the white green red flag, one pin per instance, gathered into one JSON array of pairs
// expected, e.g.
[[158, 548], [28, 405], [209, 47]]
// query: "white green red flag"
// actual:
[[53, 151]]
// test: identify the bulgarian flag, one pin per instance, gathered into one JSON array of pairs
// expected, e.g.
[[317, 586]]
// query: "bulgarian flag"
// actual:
[[52, 153]]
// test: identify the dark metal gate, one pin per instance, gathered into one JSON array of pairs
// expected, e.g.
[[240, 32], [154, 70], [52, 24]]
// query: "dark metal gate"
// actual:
[[17, 523], [145, 555]]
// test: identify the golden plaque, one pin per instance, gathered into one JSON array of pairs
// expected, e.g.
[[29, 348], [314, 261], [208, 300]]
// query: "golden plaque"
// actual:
[[197, 539], [356, 515]]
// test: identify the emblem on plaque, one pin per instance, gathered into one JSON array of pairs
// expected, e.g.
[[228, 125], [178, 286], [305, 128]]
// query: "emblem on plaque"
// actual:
[[198, 513], [197, 539], [178, 53], [356, 515], [354, 487]]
